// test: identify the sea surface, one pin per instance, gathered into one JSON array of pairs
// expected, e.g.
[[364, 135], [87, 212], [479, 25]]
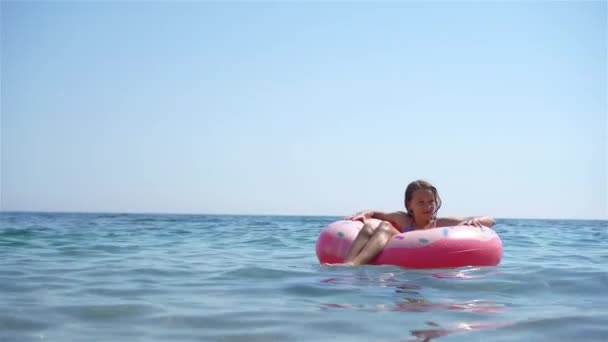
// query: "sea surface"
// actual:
[[127, 277]]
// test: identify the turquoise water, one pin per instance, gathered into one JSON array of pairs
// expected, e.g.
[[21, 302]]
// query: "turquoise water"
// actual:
[[104, 277]]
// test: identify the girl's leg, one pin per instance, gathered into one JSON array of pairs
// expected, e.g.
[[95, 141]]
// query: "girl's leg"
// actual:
[[364, 235], [375, 244]]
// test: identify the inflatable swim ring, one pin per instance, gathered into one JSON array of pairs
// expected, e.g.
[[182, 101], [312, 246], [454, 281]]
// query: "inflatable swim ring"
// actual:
[[443, 247]]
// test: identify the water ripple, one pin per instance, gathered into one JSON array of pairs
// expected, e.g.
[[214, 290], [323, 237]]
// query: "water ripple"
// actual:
[[68, 277]]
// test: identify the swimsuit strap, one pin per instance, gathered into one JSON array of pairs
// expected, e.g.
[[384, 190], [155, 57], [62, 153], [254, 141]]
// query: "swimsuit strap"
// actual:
[[409, 228]]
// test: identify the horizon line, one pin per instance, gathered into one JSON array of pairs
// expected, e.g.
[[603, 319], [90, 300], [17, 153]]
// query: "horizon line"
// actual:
[[84, 212]]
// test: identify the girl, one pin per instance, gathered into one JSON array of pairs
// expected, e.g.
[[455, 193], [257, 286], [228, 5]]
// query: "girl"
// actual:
[[421, 203]]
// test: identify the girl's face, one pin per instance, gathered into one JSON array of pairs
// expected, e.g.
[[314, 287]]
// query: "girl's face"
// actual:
[[423, 204]]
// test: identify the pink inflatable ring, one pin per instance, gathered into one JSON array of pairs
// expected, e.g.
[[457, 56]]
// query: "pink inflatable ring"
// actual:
[[443, 247]]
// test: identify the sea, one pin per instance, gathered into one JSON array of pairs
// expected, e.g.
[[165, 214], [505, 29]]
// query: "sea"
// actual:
[[157, 277]]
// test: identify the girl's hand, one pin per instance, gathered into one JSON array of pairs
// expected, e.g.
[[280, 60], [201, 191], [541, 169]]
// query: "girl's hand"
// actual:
[[361, 216]]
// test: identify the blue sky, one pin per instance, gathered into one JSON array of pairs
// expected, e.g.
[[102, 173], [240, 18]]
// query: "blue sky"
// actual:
[[304, 108]]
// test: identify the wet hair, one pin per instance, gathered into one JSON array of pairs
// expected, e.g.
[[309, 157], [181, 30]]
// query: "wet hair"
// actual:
[[421, 184]]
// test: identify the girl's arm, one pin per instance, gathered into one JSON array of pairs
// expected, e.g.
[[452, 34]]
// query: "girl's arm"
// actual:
[[486, 221]]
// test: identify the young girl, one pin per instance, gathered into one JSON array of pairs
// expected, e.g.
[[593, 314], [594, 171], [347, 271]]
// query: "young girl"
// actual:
[[422, 203]]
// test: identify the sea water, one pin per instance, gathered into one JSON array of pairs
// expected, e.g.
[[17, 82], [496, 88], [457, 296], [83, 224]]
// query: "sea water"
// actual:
[[135, 277]]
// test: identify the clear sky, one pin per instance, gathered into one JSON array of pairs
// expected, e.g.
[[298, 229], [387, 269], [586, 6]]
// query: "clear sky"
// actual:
[[304, 108]]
